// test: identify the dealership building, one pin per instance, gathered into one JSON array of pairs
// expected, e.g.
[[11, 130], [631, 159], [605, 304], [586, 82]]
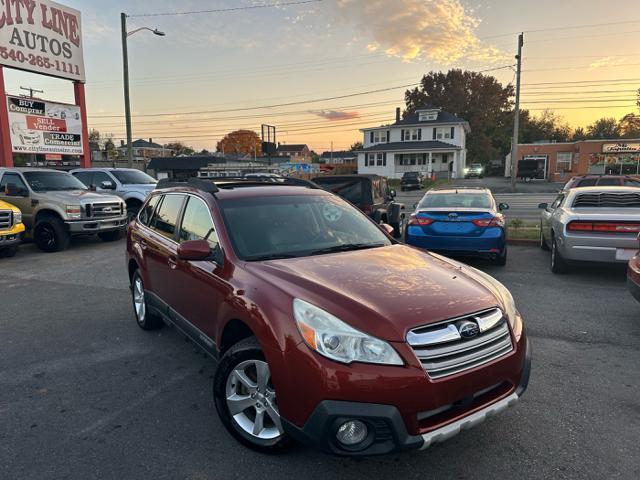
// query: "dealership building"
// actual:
[[561, 160]]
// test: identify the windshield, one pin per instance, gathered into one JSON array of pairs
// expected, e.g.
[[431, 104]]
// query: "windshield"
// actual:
[[133, 177], [349, 189], [53, 181], [455, 200], [476, 165], [263, 228]]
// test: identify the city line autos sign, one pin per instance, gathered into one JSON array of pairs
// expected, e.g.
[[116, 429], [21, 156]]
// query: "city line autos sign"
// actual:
[[43, 37], [621, 148], [37, 126]]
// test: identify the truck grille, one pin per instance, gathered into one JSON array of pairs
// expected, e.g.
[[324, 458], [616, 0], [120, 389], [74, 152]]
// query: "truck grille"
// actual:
[[103, 210], [443, 351], [6, 219]]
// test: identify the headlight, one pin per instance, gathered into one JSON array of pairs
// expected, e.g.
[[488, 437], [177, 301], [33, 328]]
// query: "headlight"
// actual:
[[17, 218], [331, 337], [466, 170], [74, 211]]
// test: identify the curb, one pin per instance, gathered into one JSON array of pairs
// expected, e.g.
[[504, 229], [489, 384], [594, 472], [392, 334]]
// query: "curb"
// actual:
[[523, 242]]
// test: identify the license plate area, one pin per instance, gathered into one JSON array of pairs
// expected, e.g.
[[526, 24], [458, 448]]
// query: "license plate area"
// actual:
[[625, 254]]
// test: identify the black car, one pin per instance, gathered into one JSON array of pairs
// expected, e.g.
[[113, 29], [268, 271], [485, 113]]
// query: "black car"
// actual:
[[371, 194], [410, 181]]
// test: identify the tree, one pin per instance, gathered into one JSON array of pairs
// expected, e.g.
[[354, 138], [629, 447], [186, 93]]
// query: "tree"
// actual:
[[579, 134], [479, 99], [356, 146], [204, 152], [546, 126], [241, 142], [179, 148], [630, 126], [110, 148], [604, 128]]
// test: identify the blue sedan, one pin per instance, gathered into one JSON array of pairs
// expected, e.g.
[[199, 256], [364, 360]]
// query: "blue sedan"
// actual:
[[460, 222]]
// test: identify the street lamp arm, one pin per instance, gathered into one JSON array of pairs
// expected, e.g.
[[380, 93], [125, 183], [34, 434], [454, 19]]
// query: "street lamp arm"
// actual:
[[154, 31]]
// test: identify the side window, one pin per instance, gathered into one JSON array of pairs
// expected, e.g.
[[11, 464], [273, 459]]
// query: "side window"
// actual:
[[631, 183], [166, 217], [197, 223], [99, 177], [147, 212], [557, 202], [84, 177], [12, 179], [587, 182]]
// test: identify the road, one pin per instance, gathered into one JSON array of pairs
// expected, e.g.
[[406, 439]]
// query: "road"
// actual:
[[523, 204], [85, 394]]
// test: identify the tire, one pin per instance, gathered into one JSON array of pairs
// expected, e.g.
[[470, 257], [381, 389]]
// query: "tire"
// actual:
[[398, 228], [558, 264], [112, 236], [144, 318], [51, 235], [501, 259], [8, 252], [132, 210], [230, 392], [543, 242]]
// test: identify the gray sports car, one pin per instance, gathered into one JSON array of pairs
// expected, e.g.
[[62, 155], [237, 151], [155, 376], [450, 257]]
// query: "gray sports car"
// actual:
[[592, 224]]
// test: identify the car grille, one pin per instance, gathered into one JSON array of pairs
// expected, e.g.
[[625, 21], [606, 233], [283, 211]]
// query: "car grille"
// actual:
[[443, 352], [6, 219], [98, 210], [607, 200]]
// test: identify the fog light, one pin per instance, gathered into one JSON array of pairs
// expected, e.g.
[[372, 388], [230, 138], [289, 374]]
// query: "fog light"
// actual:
[[352, 432]]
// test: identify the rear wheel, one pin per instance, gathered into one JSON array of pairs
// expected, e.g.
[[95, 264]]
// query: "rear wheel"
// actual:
[[145, 319], [501, 258], [245, 398], [51, 235], [558, 264]]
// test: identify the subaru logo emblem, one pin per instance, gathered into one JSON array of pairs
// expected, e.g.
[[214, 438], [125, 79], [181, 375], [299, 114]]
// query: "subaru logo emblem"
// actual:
[[468, 329]]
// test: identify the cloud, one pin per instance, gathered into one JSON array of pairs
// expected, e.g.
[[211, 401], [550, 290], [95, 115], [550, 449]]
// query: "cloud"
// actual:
[[335, 115], [606, 62], [440, 30]]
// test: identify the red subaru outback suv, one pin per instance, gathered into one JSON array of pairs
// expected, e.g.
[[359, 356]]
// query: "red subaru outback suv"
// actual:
[[326, 330]]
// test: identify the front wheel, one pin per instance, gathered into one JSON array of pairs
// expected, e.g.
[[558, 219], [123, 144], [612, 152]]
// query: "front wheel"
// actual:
[[543, 241], [245, 398], [8, 252], [398, 228], [145, 319], [51, 235]]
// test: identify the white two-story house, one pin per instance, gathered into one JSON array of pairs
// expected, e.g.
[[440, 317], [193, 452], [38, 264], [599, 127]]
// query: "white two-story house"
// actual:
[[430, 141]]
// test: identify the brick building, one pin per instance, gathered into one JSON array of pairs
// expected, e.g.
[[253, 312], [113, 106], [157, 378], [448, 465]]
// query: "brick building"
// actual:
[[560, 161]]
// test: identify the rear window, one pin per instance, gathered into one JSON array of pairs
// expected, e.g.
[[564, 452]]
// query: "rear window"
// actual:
[[351, 190], [607, 200], [456, 200], [410, 175]]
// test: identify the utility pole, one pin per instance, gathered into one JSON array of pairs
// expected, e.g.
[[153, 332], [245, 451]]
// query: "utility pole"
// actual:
[[31, 91], [516, 119], [331, 152], [127, 104]]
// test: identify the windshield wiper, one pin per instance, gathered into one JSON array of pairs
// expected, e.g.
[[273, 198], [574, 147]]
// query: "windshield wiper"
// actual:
[[347, 247], [273, 256]]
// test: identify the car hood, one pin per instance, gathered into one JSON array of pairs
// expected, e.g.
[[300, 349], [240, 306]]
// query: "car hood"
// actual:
[[382, 291], [81, 196]]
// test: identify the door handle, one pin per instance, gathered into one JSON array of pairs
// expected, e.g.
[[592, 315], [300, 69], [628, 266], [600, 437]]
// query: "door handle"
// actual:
[[173, 263], [143, 244]]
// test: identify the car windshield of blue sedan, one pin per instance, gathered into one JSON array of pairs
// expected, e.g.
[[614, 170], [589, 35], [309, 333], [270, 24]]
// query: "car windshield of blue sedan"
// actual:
[[455, 200]]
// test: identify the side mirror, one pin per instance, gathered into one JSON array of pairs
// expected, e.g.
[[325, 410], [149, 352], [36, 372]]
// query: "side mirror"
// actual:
[[12, 190], [107, 185], [387, 228], [503, 206], [194, 250], [543, 206], [415, 205], [392, 193]]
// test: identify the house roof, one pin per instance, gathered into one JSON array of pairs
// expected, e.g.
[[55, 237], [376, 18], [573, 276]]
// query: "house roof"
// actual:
[[426, 145], [146, 144], [292, 148], [443, 117], [178, 163]]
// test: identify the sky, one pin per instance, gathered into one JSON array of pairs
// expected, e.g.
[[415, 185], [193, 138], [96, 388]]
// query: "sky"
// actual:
[[217, 72]]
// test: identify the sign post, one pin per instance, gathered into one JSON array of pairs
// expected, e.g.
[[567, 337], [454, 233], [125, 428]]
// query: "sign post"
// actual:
[[6, 153], [85, 158]]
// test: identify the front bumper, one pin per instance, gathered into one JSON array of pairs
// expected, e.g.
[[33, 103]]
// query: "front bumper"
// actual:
[[96, 226], [9, 240], [388, 431]]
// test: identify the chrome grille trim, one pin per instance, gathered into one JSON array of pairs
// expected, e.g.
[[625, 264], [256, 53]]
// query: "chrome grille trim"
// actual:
[[102, 210], [6, 219], [443, 352]]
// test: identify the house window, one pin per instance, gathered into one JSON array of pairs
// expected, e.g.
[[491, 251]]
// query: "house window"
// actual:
[[427, 116], [563, 162], [382, 162], [370, 160], [411, 134], [443, 133], [380, 136]]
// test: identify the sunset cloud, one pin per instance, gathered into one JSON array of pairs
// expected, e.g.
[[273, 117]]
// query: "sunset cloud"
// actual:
[[606, 62], [440, 30], [335, 115]]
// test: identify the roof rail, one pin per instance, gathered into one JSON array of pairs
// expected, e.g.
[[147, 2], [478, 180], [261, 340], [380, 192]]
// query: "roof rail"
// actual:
[[204, 185]]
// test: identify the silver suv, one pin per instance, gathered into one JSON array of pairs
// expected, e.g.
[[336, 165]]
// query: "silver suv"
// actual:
[[56, 206], [133, 186]]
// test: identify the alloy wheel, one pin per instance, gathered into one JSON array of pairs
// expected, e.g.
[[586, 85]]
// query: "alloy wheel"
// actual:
[[251, 400], [138, 300], [47, 236]]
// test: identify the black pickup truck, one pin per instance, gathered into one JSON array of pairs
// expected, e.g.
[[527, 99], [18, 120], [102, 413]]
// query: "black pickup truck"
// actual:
[[371, 194]]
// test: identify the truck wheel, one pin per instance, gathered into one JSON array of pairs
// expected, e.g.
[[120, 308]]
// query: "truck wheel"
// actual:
[[398, 228], [51, 235], [144, 318], [133, 207], [8, 252], [558, 264], [112, 236], [245, 398]]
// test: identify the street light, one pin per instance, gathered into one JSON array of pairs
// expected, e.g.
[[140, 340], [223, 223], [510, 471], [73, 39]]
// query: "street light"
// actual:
[[125, 69]]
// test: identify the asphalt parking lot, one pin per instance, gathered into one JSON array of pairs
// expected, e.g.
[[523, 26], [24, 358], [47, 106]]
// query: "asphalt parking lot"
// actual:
[[84, 393]]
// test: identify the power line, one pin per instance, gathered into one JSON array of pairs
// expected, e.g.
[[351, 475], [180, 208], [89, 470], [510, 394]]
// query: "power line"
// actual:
[[225, 10], [565, 27], [611, 80]]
